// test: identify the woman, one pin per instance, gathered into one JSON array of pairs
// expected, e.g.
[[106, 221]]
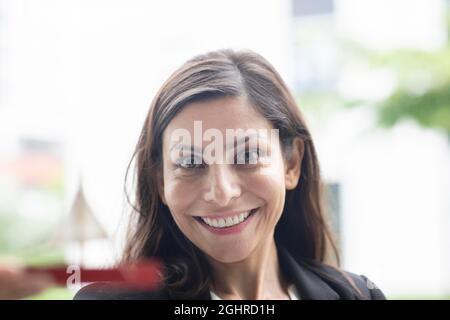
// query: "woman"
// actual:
[[250, 228]]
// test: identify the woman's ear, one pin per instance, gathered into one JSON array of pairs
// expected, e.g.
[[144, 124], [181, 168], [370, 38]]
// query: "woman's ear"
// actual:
[[293, 163]]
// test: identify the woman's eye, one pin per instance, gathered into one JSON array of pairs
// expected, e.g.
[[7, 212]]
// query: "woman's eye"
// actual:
[[190, 163], [248, 157]]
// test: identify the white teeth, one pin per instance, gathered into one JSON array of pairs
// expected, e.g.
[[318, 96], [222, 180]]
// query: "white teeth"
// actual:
[[227, 222]]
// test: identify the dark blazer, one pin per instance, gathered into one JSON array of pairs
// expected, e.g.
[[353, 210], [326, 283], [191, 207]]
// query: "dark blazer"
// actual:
[[313, 281]]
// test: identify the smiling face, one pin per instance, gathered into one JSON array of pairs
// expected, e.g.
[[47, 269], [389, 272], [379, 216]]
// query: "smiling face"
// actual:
[[226, 209]]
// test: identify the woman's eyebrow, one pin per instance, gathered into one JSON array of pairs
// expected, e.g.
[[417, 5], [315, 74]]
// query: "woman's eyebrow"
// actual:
[[183, 147], [195, 149], [244, 139]]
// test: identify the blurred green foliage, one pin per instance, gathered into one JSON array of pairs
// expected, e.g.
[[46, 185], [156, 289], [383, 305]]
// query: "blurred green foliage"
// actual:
[[54, 294], [422, 91]]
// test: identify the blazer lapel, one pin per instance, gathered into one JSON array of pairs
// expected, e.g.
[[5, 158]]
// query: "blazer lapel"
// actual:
[[309, 285]]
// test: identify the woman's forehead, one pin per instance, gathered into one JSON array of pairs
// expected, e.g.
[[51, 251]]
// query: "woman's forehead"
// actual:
[[220, 114]]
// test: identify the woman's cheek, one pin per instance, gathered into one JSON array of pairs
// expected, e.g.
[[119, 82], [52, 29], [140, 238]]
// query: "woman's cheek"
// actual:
[[176, 199], [270, 179], [271, 189], [179, 201]]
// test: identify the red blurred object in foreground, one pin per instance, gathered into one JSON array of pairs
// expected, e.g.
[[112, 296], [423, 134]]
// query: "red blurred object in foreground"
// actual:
[[142, 275]]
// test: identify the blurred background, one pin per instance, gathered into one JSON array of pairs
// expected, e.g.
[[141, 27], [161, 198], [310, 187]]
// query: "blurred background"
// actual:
[[371, 76]]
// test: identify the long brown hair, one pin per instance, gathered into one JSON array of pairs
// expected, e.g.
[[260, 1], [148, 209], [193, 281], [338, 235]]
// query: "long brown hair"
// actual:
[[303, 227]]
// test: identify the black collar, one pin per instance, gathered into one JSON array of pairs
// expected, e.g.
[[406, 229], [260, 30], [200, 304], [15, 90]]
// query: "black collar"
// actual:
[[309, 284]]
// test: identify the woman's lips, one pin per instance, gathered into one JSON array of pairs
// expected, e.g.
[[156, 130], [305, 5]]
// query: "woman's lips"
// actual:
[[224, 230]]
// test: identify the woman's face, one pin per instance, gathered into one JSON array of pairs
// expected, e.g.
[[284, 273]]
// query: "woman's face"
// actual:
[[214, 205]]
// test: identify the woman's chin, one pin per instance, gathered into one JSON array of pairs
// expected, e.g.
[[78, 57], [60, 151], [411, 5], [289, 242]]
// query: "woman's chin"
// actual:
[[232, 255]]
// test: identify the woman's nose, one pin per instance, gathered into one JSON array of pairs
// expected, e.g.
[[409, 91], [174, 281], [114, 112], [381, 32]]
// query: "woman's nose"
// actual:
[[222, 185]]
